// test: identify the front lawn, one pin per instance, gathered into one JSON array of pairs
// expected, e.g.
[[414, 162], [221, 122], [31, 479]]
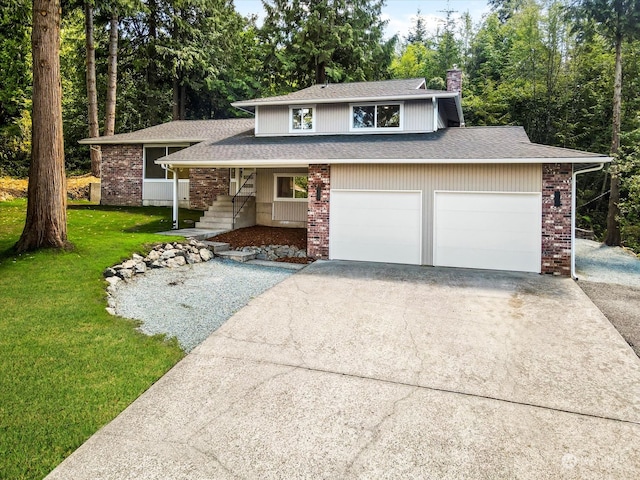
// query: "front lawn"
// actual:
[[66, 366]]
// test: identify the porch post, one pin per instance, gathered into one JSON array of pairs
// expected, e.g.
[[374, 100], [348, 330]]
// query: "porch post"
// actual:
[[175, 199]]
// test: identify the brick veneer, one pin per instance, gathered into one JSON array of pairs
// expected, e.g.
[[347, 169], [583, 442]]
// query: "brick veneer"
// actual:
[[121, 179], [318, 212], [556, 221], [205, 184]]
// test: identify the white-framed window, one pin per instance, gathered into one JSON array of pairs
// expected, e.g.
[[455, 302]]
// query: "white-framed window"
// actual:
[[152, 171], [376, 116], [290, 187], [301, 119]]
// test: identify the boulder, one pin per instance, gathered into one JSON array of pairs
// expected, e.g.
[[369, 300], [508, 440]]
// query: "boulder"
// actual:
[[110, 273], [168, 254], [125, 273], [176, 262], [205, 254], [140, 267], [153, 255]]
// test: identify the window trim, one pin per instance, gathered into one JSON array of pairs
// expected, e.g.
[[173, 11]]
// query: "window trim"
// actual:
[[166, 151], [314, 119], [276, 198], [399, 128]]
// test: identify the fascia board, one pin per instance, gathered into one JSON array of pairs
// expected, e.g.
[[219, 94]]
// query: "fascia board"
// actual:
[[425, 96]]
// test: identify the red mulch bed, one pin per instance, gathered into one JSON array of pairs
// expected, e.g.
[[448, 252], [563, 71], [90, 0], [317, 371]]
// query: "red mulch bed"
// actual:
[[258, 235]]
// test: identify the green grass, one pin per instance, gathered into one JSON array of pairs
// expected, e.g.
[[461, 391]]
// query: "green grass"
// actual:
[[66, 366]]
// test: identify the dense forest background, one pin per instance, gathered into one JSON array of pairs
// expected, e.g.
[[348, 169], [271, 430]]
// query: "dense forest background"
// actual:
[[545, 65]]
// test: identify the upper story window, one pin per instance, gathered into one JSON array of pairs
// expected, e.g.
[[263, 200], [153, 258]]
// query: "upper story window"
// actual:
[[302, 119], [380, 116], [153, 171]]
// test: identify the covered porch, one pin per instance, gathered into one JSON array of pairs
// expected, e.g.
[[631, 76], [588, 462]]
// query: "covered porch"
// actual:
[[274, 196]]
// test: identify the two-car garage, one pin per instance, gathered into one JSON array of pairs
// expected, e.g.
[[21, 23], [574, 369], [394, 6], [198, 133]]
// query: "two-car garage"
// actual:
[[469, 229]]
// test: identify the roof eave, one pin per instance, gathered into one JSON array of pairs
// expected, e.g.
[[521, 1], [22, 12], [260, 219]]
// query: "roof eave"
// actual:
[[116, 141], [284, 162], [422, 96]]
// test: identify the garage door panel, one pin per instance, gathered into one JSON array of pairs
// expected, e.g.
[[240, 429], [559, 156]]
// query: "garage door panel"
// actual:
[[507, 240], [478, 220], [381, 226], [488, 230]]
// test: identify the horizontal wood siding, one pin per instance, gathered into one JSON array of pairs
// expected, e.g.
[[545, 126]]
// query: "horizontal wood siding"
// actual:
[[272, 120], [278, 213], [418, 116], [429, 178]]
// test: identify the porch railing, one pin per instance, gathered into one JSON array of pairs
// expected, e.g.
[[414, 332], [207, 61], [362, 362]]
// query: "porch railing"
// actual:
[[240, 199]]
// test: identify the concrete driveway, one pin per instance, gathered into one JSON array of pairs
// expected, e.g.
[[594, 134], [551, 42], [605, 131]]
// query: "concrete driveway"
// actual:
[[352, 370]]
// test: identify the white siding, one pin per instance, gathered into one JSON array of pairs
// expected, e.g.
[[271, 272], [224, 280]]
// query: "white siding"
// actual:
[[159, 192], [429, 178]]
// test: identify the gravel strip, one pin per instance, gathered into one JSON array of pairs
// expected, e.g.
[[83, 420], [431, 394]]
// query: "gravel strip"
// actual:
[[191, 302], [596, 262]]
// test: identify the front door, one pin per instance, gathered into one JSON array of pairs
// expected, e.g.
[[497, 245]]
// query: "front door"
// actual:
[[238, 177]]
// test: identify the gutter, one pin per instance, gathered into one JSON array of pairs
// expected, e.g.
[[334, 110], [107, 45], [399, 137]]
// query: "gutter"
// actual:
[[309, 101], [573, 214]]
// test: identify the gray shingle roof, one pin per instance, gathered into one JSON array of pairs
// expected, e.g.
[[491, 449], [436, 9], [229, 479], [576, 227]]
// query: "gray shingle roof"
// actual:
[[186, 131], [336, 92], [452, 145]]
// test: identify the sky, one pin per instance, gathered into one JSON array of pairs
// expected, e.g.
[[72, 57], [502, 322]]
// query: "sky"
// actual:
[[400, 13]]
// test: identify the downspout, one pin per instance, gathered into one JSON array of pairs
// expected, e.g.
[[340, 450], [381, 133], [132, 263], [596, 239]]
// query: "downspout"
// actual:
[[573, 215], [174, 225]]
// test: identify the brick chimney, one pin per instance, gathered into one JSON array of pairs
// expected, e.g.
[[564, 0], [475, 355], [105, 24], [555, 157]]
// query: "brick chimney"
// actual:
[[454, 80]]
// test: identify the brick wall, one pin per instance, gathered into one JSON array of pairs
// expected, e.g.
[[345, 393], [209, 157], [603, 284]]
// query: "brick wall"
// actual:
[[556, 221], [205, 184], [121, 179], [318, 212]]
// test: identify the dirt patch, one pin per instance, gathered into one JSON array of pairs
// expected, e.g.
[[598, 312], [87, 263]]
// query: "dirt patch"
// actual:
[[258, 236], [77, 187]]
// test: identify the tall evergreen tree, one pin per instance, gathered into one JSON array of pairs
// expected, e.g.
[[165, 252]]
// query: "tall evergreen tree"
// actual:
[[315, 41], [46, 222], [617, 21]]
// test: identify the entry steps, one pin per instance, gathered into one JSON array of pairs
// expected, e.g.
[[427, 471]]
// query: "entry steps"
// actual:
[[221, 249]]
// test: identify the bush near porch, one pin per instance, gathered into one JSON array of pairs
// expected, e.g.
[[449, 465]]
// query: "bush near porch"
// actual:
[[67, 367]]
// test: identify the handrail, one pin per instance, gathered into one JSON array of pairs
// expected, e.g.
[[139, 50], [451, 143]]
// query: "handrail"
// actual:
[[245, 192]]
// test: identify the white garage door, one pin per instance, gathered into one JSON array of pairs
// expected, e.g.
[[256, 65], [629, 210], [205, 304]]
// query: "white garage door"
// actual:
[[377, 226], [498, 231]]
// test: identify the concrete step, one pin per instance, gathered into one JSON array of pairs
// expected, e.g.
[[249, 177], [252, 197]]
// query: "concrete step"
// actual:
[[238, 256], [215, 225], [218, 213], [217, 247]]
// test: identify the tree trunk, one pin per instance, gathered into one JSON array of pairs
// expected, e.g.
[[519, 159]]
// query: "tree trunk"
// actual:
[[176, 99], [183, 102], [92, 92], [112, 76], [46, 223], [613, 225]]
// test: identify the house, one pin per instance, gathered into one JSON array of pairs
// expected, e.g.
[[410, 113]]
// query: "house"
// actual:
[[376, 171]]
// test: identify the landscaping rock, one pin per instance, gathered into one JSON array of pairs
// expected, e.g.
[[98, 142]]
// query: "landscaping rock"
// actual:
[[125, 273], [205, 254], [110, 273]]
